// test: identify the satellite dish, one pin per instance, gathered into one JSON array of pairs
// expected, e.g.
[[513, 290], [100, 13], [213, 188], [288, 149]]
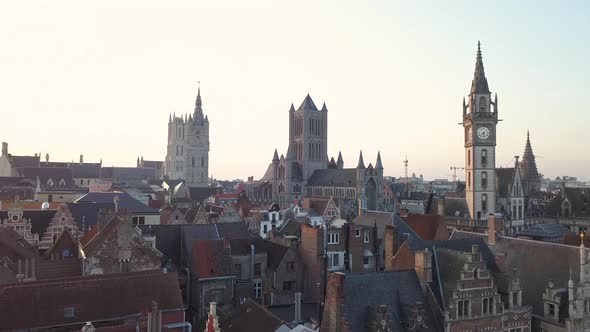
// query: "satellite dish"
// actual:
[[45, 206]]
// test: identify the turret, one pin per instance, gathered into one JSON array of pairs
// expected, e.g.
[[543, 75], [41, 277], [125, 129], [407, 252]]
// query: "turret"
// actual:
[[324, 108], [340, 162], [275, 157], [361, 163], [378, 164]]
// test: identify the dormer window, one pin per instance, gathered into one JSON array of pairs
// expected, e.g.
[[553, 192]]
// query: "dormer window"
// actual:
[[50, 183]]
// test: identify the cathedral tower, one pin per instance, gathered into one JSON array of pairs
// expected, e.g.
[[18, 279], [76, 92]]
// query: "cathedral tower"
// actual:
[[480, 117], [308, 136], [187, 156]]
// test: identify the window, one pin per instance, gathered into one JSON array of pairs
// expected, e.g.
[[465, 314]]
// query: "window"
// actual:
[[515, 298], [518, 329], [484, 179], [289, 285], [484, 202], [366, 261], [468, 157], [290, 266], [587, 306], [138, 221], [69, 312], [257, 269], [519, 209], [265, 229], [357, 232], [468, 179], [335, 260], [488, 306], [484, 157], [334, 238], [463, 308], [551, 309], [258, 289], [81, 181], [366, 239], [124, 265]]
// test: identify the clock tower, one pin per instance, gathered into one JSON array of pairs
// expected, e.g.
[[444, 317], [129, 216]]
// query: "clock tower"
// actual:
[[480, 117]]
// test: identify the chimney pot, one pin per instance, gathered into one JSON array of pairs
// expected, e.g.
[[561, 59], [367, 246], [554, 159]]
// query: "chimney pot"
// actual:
[[4, 148]]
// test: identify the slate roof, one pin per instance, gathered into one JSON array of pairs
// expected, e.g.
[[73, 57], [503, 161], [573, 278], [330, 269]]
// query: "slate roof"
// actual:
[[86, 170], [40, 219], [275, 252], [86, 213], [42, 303], [25, 161], [456, 207], [425, 225], [579, 199], [46, 173], [251, 316], [16, 181], [545, 231], [394, 289], [307, 104], [333, 178], [286, 312], [126, 202], [199, 194], [370, 218], [504, 181], [537, 262], [15, 242], [128, 173]]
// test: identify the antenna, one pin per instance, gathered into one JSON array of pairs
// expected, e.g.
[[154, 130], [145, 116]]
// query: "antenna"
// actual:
[[406, 166]]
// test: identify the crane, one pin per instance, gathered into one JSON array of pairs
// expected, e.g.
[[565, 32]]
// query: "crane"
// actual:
[[454, 169]]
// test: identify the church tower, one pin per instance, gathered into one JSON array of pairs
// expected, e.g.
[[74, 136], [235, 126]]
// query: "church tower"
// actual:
[[187, 156], [480, 117], [308, 136]]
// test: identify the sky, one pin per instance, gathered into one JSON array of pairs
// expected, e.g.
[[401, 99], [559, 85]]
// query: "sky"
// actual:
[[101, 78]]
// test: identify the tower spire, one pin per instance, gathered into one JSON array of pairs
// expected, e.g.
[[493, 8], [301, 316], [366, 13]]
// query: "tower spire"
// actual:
[[340, 161], [378, 164], [198, 103], [479, 85], [361, 163], [528, 166]]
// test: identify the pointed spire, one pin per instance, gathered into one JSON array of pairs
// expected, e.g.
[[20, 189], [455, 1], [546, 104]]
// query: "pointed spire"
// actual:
[[528, 165], [292, 109], [324, 108], [340, 161], [289, 155], [479, 85], [198, 104], [170, 118], [361, 163], [378, 164], [275, 157], [332, 163], [307, 104]]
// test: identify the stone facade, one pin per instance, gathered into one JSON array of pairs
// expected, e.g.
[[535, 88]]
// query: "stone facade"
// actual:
[[187, 156]]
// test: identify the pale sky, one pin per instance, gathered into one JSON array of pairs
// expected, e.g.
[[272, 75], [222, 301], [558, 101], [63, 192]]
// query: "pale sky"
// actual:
[[100, 78]]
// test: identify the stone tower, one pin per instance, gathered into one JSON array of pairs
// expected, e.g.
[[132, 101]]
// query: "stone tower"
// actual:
[[308, 136], [187, 156], [480, 117], [528, 168]]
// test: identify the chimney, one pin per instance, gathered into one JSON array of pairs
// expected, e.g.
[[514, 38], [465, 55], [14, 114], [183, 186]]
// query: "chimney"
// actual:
[[389, 247], [116, 202], [4, 148], [441, 206], [495, 221], [81, 159], [155, 318], [332, 316], [88, 327], [423, 267], [252, 259], [298, 308], [47, 157]]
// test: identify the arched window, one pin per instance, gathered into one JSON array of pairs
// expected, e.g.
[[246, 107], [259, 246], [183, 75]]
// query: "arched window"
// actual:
[[484, 179], [484, 202], [519, 209], [482, 104], [484, 157], [468, 179], [193, 161], [310, 154], [202, 161], [514, 210], [468, 157]]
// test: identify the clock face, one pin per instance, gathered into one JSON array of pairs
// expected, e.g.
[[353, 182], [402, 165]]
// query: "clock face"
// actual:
[[483, 133], [469, 135]]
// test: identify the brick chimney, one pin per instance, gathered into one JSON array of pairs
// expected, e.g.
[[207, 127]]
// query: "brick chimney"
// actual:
[[495, 227], [332, 318], [390, 231], [155, 318], [4, 148], [423, 267]]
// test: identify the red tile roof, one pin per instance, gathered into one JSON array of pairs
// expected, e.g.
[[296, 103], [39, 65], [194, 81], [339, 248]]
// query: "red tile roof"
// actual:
[[41, 304], [89, 235], [211, 259], [428, 226]]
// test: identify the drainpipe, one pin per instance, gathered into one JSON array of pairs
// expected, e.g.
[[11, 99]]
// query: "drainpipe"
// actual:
[[252, 257]]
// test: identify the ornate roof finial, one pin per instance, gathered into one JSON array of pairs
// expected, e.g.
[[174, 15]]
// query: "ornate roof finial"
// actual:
[[479, 85], [378, 164]]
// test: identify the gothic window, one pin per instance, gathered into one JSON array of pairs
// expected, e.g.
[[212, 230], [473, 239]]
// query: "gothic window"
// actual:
[[482, 104], [281, 188], [310, 154], [519, 209], [202, 161], [177, 150], [514, 211], [484, 157], [468, 157], [484, 179], [484, 202], [468, 179], [193, 161], [181, 150]]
